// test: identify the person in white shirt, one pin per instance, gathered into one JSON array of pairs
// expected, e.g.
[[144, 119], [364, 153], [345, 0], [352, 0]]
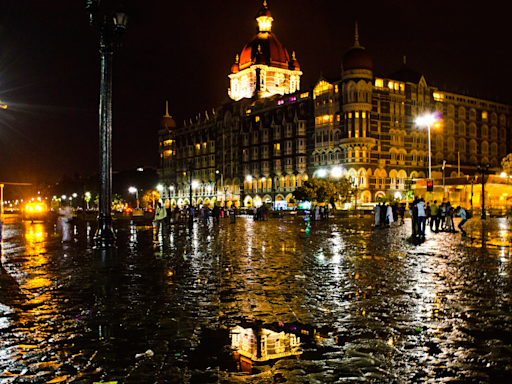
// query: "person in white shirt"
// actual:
[[422, 217], [376, 209]]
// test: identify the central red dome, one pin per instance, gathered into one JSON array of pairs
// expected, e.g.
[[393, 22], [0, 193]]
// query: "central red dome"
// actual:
[[273, 51]]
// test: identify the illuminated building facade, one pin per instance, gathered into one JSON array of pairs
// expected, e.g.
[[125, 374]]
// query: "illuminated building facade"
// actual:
[[271, 136]]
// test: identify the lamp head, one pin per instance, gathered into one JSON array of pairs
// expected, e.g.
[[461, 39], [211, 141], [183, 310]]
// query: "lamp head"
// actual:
[[120, 20], [92, 8]]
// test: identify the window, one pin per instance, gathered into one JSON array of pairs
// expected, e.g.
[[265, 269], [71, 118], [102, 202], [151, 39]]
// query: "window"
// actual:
[[485, 148], [484, 115], [462, 128], [462, 113], [494, 133], [485, 131], [472, 129]]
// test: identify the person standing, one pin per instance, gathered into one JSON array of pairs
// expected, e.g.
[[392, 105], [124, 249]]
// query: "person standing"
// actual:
[[401, 211], [422, 217], [450, 227], [461, 212], [434, 219], [376, 210], [160, 215], [442, 216], [389, 215], [413, 211], [216, 213], [383, 214]]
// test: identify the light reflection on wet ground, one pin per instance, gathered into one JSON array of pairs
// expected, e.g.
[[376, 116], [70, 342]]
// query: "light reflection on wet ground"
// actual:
[[342, 301]]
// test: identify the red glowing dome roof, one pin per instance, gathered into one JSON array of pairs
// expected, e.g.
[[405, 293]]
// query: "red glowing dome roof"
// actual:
[[273, 51]]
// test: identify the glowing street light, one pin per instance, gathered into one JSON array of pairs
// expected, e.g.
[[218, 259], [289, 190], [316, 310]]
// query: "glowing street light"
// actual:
[[428, 119], [336, 172], [136, 192], [322, 173]]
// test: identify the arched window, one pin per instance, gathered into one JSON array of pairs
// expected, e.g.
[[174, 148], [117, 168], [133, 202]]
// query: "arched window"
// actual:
[[472, 160], [494, 163], [503, 134], [472, 129], [494, 149], [494, 133], [462, 128], [485, 131], [473, 146], [462, 113], [451, 110], [485, 148], [462, 145], [472, 114], [503, 120], [451, 144], [451, 158], [439, 143], [494, 118], [503, 149], [450, 127]]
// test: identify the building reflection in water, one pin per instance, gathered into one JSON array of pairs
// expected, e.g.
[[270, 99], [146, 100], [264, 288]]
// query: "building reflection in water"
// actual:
[[255, 344]]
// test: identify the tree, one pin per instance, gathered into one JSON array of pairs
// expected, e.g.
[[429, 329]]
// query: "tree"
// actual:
[[148, 197], [506, 164], [325, 190]]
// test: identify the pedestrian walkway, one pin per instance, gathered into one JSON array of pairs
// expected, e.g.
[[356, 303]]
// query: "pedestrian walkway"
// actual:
[[340, 300]]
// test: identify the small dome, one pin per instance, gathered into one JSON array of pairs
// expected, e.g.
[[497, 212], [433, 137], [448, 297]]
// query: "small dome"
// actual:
[[294, 64], [167, 121], [235, 68], [356, 57]]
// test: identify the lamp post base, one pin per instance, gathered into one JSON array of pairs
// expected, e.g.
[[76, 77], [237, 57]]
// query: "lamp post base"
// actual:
[[104, 237]]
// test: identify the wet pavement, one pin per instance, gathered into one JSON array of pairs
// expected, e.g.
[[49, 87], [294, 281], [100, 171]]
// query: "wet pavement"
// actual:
[[278, 301]]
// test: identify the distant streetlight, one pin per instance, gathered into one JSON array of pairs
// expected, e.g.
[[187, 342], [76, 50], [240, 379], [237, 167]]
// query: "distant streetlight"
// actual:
[[110, 34], [136, 192], [321, 173], [336, 172], [428, 119]]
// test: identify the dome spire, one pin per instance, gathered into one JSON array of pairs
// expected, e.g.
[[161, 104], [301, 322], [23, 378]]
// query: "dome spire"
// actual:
[[167, 108], [356, 38]]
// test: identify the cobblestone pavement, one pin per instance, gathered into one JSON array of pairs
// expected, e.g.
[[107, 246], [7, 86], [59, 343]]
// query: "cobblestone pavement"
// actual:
[[365, 304]]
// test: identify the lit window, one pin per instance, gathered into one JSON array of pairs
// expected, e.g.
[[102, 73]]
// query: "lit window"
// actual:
[[198, 146], [364, 115], [292, 99], [390, 85], [257, 118], [379, 83], [438, 96], [357, 115], [350, 115], [484, 115], [304, 95], [280, 102]]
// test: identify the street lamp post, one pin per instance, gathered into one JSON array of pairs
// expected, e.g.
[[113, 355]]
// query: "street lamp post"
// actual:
[[136, 192], [110, 33], [428, 119], [483, 171]]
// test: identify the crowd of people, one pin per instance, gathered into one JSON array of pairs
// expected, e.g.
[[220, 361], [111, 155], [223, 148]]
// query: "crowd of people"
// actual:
[[438, 217], [386, 214]]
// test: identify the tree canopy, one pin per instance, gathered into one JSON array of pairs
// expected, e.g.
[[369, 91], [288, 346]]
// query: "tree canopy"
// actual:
[[506, 163], [329, 190]]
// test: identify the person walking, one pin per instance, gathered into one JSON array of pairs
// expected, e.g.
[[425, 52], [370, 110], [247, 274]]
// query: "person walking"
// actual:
[[160, 215], [413, 211], [422, 217], [401, 212], [461, 212], [434, 219], [376, 211], [383, 214], [216, 213]]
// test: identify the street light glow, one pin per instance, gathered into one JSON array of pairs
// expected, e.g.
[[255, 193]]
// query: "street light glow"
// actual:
[[195, 184], [322, 172], [336, 172], [132, 190], [159, 188], [248, 178]]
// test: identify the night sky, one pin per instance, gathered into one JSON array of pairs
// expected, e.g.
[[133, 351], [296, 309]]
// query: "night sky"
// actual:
[[182, 51]]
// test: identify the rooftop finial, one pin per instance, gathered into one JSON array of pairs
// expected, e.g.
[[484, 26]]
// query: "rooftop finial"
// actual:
[[265, 3], [356, 43], [293, 56], [237, 58], [167, 108], [404, 60]]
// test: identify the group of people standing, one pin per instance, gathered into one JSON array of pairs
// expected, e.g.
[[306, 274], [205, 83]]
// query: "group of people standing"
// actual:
[[437, 216], [176, 215], [321, 212], [386, 214]]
